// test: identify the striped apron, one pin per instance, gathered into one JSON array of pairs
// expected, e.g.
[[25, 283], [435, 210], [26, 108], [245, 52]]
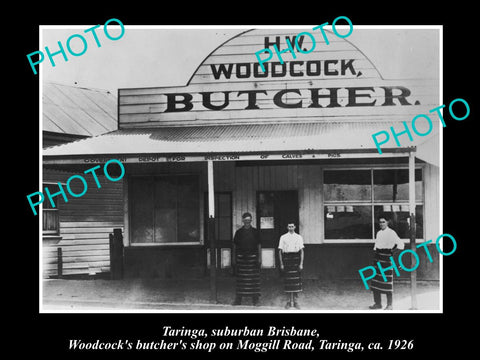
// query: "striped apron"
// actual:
[[378, 283], [291, 274], [248, 273]]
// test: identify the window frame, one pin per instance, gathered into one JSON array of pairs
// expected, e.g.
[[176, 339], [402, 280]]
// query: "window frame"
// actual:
[[55, 209], [372, 203], [130, 213]]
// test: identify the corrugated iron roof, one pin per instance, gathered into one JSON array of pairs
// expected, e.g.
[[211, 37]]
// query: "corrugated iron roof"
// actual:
[[77, 110], [339, 135]]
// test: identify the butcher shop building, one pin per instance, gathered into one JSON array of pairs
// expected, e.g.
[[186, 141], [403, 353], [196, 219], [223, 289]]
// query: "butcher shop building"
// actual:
[[293, 143]]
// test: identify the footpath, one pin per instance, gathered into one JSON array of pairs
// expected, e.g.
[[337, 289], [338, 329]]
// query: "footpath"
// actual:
[[178, 295]]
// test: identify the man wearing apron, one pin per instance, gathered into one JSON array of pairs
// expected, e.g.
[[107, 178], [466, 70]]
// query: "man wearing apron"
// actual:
[[290, 251], [386, 241], [246, 261]]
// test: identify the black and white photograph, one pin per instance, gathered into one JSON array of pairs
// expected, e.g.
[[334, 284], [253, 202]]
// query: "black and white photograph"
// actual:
[[242, 169], [210, 180]]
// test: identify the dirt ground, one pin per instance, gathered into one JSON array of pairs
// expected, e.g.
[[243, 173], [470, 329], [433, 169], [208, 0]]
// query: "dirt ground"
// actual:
[[131, 294]]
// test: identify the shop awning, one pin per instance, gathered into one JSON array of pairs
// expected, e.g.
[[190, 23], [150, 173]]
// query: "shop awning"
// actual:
[[233, 142], [429, 149]]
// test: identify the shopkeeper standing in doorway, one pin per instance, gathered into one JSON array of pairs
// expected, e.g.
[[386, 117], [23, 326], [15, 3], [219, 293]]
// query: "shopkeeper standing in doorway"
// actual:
[[246, 261]]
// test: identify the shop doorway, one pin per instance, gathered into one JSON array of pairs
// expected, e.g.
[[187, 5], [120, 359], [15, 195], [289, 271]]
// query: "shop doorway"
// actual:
[[223, 230], [274, 210]]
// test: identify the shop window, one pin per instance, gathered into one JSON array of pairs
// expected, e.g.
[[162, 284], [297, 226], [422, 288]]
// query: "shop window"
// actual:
[[348, 222], [354, 199], [340, 185], [164, 209], [51, 224], [391, 185]]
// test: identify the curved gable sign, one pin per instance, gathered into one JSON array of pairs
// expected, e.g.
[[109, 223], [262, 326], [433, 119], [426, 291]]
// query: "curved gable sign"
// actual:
[[332, 82]]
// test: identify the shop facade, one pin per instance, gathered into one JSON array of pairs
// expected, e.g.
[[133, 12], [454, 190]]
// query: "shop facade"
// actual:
[[293, 143]]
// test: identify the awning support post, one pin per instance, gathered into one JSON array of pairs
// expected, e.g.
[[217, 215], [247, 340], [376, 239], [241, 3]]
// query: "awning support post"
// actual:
[[211, 234], [413, 246]]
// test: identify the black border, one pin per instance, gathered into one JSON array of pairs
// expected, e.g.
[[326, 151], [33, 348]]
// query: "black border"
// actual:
[[433, 334]]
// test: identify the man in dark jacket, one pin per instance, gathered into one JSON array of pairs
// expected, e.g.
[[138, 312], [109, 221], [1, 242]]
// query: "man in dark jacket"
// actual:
[[246, 261]]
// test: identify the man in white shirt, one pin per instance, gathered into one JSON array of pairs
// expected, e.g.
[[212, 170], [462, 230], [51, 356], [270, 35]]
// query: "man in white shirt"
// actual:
[[290, 251], [386, 241]]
